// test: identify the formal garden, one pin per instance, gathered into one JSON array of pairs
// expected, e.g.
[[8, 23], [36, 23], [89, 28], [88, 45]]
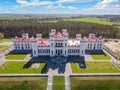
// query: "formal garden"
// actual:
[[58, 83], [22, 67], [3, 47], [94, 67], [23, 83], [100, 56], [15, 56], [95, 83]]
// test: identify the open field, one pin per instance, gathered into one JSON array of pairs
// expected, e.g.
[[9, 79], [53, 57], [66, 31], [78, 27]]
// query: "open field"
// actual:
[[15, 56], [3, 47], [58, 83], [21, 67], [13, 17], [5, 40], [113, 45], [95, 83], [91, 20], [100, 56], [51, 21], [23, 83], [95, 67]]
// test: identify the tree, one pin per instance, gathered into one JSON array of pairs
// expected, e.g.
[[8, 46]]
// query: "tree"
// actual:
[[1, 35]]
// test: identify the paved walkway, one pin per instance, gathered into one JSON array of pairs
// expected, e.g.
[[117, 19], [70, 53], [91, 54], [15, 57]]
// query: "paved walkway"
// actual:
[[60, 68], [50, 82], [67, 82], [7, 43], [2, 61], [68, 69], [88, 57]]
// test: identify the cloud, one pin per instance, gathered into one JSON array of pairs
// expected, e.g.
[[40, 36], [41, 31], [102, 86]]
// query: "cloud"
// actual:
[[71, 7], [57, 6], [104, 4], [104, 7], [32, 2], [60, 6], [61, 1]]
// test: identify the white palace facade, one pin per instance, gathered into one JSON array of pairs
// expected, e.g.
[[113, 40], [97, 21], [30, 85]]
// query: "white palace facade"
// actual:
[[58, 44]]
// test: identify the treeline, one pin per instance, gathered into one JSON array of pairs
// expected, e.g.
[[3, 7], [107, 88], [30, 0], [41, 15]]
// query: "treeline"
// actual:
[[12, 28]]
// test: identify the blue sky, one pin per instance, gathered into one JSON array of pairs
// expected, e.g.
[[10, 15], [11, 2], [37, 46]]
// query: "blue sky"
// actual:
[[60, 6]]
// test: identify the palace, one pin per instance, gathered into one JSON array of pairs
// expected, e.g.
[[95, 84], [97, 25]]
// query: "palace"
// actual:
[[58, 44]]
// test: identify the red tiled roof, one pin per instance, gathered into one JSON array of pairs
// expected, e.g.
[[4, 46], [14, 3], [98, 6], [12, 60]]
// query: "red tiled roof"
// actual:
[[24, 39], [43, 42], [58, 35]]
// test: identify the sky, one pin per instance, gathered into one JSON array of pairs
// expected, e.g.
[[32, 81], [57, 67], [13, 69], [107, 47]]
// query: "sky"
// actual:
[[93, 7]]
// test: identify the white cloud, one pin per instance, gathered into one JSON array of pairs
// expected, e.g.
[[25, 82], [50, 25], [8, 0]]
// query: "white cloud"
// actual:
[[103, 7], [71, 7], [57, 6], [60, 1], [60, 6], [104, 4], [33, 2]]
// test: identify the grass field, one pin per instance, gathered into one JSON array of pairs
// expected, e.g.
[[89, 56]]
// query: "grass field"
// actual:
[[3, 47], [100, 56], [58, 83], [15, 56], [95, 83], [13, 17], [21, 67], [51, 21], [5, 40], [23, 83], [91, 20], [95, 67]]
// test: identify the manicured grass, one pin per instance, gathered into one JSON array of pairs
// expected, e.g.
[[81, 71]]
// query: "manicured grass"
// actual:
[[95, 83], [58, 83], [23, 83], [95, 67], [15, 56], [3, 47], [100, 56], [21, 67], [91, 20], [5, 40]]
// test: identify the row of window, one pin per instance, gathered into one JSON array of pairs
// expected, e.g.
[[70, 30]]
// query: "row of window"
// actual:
[[95, 44], [58, 45], [94, 48], [73, 51], [44, 51], [20, 46]]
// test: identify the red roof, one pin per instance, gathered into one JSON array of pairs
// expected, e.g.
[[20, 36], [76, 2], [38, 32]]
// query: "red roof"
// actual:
[[58, 35], [24, 39], [43, 42]]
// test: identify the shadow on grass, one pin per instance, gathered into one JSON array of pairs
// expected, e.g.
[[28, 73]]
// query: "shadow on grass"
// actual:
[[99, 53], [36, 60]]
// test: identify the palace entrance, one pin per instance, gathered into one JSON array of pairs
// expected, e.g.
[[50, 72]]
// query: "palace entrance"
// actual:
[[59, 52]]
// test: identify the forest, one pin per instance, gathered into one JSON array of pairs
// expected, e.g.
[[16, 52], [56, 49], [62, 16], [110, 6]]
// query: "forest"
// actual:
[[14, 27]]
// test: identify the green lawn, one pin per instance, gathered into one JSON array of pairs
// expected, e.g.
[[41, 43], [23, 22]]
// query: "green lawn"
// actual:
[[23, 83], [100, 56], [21, 67], [3, 47], [58, 83], [95, 67], [15, 56], [95, 83], [91, 20], [5, 40]]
